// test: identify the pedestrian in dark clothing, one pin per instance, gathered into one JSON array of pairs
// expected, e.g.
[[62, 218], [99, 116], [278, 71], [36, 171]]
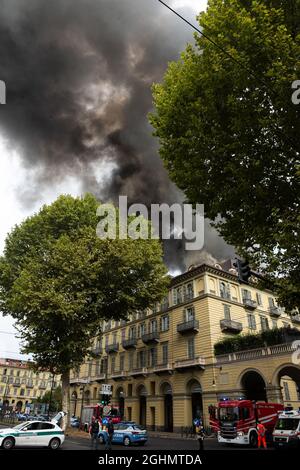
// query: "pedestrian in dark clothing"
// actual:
[[94, 431], [110, 433], [200, 436]]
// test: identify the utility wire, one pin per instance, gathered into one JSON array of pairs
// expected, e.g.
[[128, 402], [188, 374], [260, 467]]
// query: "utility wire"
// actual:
[[250, 71]]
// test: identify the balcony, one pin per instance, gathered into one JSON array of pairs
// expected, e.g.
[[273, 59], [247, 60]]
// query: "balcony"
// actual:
[[112, 348], [129, 343], [231, 326], [139, 372], [250, 304], [275, 311], [97, 351], [42, 387], [284, 349], [29, 385], [188, 327], [194, 363], [151, 337], [162, 369], [188, 296], [118, 375], [99, 377]]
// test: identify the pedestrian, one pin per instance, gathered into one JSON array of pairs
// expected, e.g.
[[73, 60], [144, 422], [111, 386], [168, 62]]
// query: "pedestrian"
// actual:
[[200, 434], [261, 431], [110, 433], [94, 431]]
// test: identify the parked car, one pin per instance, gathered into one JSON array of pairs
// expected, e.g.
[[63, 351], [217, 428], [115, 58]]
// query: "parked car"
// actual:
[[33, 433], [75, 422], [127, 433]]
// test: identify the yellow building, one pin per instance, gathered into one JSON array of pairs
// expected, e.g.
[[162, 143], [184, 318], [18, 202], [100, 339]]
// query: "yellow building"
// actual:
[[20, 385], [161, 362]]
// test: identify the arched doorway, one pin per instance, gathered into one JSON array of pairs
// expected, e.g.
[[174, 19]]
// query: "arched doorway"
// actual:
[[142, 394], [254, 386], [195, 390], [288, 379], [121, 401], [19, 406], [166, 390]]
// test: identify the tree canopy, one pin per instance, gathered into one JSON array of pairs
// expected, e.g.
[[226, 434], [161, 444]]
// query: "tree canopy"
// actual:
[[229, 131], [59, 281]]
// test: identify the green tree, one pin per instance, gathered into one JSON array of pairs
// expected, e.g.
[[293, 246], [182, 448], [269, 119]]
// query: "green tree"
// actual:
[[54, 399], [229, 132], [59, 280]]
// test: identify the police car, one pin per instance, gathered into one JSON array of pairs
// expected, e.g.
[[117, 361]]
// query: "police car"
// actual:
[[33, 433], [127, 433], [287, 429]]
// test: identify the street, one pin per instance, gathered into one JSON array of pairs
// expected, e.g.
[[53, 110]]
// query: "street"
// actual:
[[154, 443]]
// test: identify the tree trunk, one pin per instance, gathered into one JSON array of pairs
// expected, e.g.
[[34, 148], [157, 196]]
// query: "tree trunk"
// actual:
[[65, 390]]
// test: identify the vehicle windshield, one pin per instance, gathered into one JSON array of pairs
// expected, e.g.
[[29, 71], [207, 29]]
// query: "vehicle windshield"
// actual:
[[287, 424], [229, 414], [20, 426]]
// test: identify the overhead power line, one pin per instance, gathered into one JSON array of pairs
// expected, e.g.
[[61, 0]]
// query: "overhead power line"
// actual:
[[278, 131]]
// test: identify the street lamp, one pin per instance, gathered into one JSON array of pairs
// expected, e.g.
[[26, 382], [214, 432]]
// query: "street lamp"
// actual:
[[84, 384]]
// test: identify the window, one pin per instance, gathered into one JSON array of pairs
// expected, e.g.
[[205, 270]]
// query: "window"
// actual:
[[130, 390], [106, 340], [90, 369], [189, 291], [258, 299], [104, 366], [227, 314], [153, 326], [115, 338], [246, 294], [191, 348], [113, 364], [141, 359], [132, 332], [122, 362], [164, 323], [152, 357], [264, 323], [142, 329], [251, 321], [123, 334], [286, 391], [131, 360], [165, 353], [46, 426], [177, 295], [271, 302], [274, 323], [189, 314], [224, 290]]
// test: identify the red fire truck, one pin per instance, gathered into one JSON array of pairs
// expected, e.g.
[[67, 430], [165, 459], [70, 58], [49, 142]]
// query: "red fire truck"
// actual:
[[98, 411], [235, 420]]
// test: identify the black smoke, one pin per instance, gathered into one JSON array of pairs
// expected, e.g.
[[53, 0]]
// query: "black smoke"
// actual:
[[78, 76]]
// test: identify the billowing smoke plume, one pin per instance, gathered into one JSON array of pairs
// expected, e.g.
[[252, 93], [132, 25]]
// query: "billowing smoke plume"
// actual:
[[78, 76]]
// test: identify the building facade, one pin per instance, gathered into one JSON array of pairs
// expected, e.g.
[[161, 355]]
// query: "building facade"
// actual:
[[20, 385], [161, 362]]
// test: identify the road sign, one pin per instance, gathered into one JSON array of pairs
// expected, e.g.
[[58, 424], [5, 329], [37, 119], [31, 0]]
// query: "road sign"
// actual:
[[106, 389]]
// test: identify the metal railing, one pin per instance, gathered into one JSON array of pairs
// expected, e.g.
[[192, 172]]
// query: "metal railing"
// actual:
[[285, 348]]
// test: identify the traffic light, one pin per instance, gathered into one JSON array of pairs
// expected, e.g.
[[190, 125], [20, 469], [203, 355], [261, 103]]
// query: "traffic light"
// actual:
[[105, 399], [244, 270]]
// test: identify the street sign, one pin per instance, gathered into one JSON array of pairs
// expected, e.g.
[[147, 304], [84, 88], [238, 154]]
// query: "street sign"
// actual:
[[106, 389]]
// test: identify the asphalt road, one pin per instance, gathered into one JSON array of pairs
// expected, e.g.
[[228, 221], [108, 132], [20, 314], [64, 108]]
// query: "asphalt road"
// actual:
[[154, 443]]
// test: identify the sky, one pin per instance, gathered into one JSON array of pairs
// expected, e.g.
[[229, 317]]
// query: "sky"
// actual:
[[14, 181]]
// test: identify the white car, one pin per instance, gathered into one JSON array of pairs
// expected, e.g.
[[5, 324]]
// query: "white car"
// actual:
[[34, 433]]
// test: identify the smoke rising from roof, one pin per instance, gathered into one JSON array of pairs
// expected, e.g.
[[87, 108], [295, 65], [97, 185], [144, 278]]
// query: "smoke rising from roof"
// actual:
[[78, 76]]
